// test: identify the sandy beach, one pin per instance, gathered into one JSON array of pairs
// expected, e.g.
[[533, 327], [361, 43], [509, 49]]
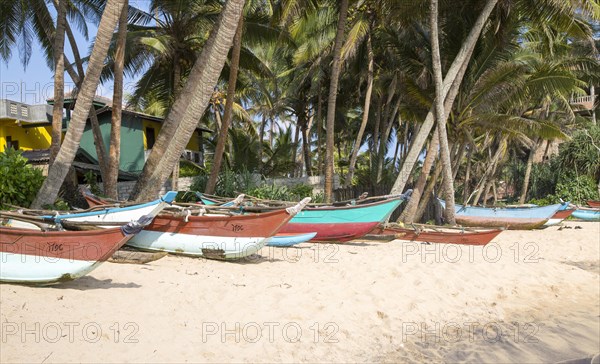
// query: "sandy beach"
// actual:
[[529, 296]]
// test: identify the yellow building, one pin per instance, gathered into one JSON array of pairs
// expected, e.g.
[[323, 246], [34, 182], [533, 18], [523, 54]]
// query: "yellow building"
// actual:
[[24, 127]]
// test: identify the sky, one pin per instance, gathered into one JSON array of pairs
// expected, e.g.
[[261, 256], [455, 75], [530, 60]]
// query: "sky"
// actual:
[[35, 84]]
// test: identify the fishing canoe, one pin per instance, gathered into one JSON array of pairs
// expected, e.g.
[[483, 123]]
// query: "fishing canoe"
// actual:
[[438, 235], [594, 204], [335, 223], [524, 218], [119, 215], [284, 239], [341, 223], [214, 237], [46, 257], [587, 214]]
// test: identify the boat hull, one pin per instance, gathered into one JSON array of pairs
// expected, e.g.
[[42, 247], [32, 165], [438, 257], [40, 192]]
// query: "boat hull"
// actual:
[[558, 217], [284, 240], [594, 204], [38, 257], [341, 223], [591, 215], [520, 218], [116, 214], [213, 237], [507, 223], [340, 232], [456, 237]]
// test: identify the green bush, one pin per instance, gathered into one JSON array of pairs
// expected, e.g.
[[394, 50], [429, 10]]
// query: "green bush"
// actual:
[[20, 181], [189, 169], [229, 183]]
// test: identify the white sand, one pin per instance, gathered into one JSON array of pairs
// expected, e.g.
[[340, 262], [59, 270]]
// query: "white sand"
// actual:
[[362, 301]]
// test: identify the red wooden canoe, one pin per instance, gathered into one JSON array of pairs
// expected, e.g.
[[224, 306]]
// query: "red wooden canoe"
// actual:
[[446, 237], [33, 256], [592, 203], [216, 237]]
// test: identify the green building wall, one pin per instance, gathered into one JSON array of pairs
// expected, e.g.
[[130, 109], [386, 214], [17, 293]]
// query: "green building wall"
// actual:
[[132, 143]]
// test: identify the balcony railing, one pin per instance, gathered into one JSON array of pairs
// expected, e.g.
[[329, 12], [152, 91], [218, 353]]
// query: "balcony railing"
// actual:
[[584, 102]]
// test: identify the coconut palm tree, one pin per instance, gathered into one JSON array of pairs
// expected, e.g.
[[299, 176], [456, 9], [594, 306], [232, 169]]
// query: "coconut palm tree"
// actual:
[[58, 170], [110, 181], [331, 102], [190, 105]]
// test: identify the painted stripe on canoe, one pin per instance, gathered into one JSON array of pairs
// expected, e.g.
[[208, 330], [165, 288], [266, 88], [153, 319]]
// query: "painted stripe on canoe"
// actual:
[[24, 268], [214, 247], [286, 239]]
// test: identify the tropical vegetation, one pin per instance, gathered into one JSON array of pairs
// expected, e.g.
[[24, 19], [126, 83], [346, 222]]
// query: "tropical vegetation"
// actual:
[[469, 100]]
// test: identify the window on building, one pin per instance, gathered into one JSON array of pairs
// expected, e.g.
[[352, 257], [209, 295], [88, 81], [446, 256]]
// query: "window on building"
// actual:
[[13, 109], [12, 143], [150, 137], [24, 111]]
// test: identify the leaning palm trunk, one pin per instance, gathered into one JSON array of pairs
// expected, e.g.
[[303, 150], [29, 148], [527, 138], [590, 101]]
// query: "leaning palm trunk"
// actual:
[[365, 116], [114, 153], [448, 180], [528, 172], [235, 62], [59, 79], [190, 105], [59, 169], [383, 142], [491, 169], [427, 194], [454, 75], [333, 90], [408, 215]]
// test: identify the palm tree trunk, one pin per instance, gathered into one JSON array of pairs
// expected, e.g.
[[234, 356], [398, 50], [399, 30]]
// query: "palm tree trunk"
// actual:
[[333, 90], [453, 80], [408, 215], [59, 79], [490, 170], [306, 147], [59, 169], [448, 181], [235, 63], [365, 116], [467, 181], [188, 108], [110, 182], [295, 151], [426, 195], [261, 137], [383, 142], [374, 144], [528, 172]]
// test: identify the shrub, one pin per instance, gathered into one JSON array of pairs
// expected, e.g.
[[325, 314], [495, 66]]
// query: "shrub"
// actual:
[[20, 181]]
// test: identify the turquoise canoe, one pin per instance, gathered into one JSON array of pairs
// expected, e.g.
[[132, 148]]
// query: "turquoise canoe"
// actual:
[[337, 223], [587, 214]]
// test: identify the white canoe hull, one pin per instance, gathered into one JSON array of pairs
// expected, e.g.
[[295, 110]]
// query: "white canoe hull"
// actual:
[[36, 269], [553, 222], [215, 247]]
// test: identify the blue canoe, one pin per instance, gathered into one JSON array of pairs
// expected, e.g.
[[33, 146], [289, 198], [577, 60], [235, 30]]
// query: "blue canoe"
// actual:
[[518, 218], [283, 240], [115, 214], [587, 214]]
